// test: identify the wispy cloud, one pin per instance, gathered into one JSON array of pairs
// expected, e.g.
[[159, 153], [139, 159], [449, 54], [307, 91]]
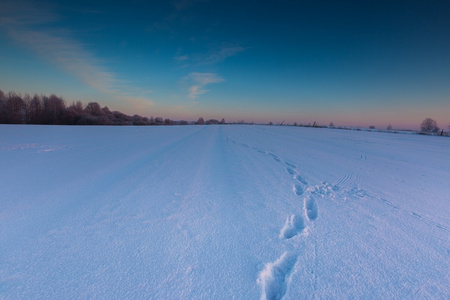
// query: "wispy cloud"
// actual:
[[221, 54], [211, 58], [181, 58], [58, 47], [199, 81]]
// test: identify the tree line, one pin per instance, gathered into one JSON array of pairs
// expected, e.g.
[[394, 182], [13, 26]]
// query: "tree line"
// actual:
[[52, 110]]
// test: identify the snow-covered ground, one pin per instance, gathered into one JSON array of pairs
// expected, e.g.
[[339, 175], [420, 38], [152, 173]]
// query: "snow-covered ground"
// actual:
[[222, 212]]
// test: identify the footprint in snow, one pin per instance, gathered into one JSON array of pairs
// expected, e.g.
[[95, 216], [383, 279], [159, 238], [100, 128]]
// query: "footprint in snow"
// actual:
[[301, 179], [290, 165], [275, 277], [290, 171], [416, 215], [298, 189], [311, 208], [294, 225], [275, 157]]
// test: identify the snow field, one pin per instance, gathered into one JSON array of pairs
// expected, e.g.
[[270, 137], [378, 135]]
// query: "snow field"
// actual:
[[222, 212]]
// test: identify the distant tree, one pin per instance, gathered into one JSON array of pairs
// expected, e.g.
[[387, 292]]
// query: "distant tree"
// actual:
[[74, 113], [223, 121], [158, 121], [119, 118], [15, 109], [295, 124], [138, 120], [34, 110], [429, 126], [71, 116], [54, 108], [212, 121], [331, 125], [200, 121], [389, 127], [2, 108], [94, 109], [270, 123], [109, 114], [78, 106], [371, 127]]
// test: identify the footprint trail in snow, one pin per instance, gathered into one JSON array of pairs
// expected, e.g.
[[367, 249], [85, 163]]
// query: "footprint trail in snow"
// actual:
[[274, 279]]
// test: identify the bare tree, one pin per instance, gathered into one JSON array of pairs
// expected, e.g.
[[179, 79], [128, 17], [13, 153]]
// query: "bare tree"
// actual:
[[15, 109], [54, 108], [2, 107], [94, 109], [429, 126], [158, 121], [34, 110], [78, 106]]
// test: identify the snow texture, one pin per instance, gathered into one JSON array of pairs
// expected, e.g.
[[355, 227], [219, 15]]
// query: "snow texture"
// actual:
[[222, 212]]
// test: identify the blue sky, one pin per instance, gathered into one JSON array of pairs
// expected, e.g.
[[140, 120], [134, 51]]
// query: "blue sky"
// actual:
[[347, 62]]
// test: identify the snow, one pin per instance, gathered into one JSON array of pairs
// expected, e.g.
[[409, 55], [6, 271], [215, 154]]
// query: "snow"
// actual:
[[222, 212]]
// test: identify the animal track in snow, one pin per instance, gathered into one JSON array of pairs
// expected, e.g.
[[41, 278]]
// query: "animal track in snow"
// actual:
[[293, 226], [301, 179], [290, 165], [298, 189], [290, 171], [274, 278], [311, 208], [416, 215], [275, 157]]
